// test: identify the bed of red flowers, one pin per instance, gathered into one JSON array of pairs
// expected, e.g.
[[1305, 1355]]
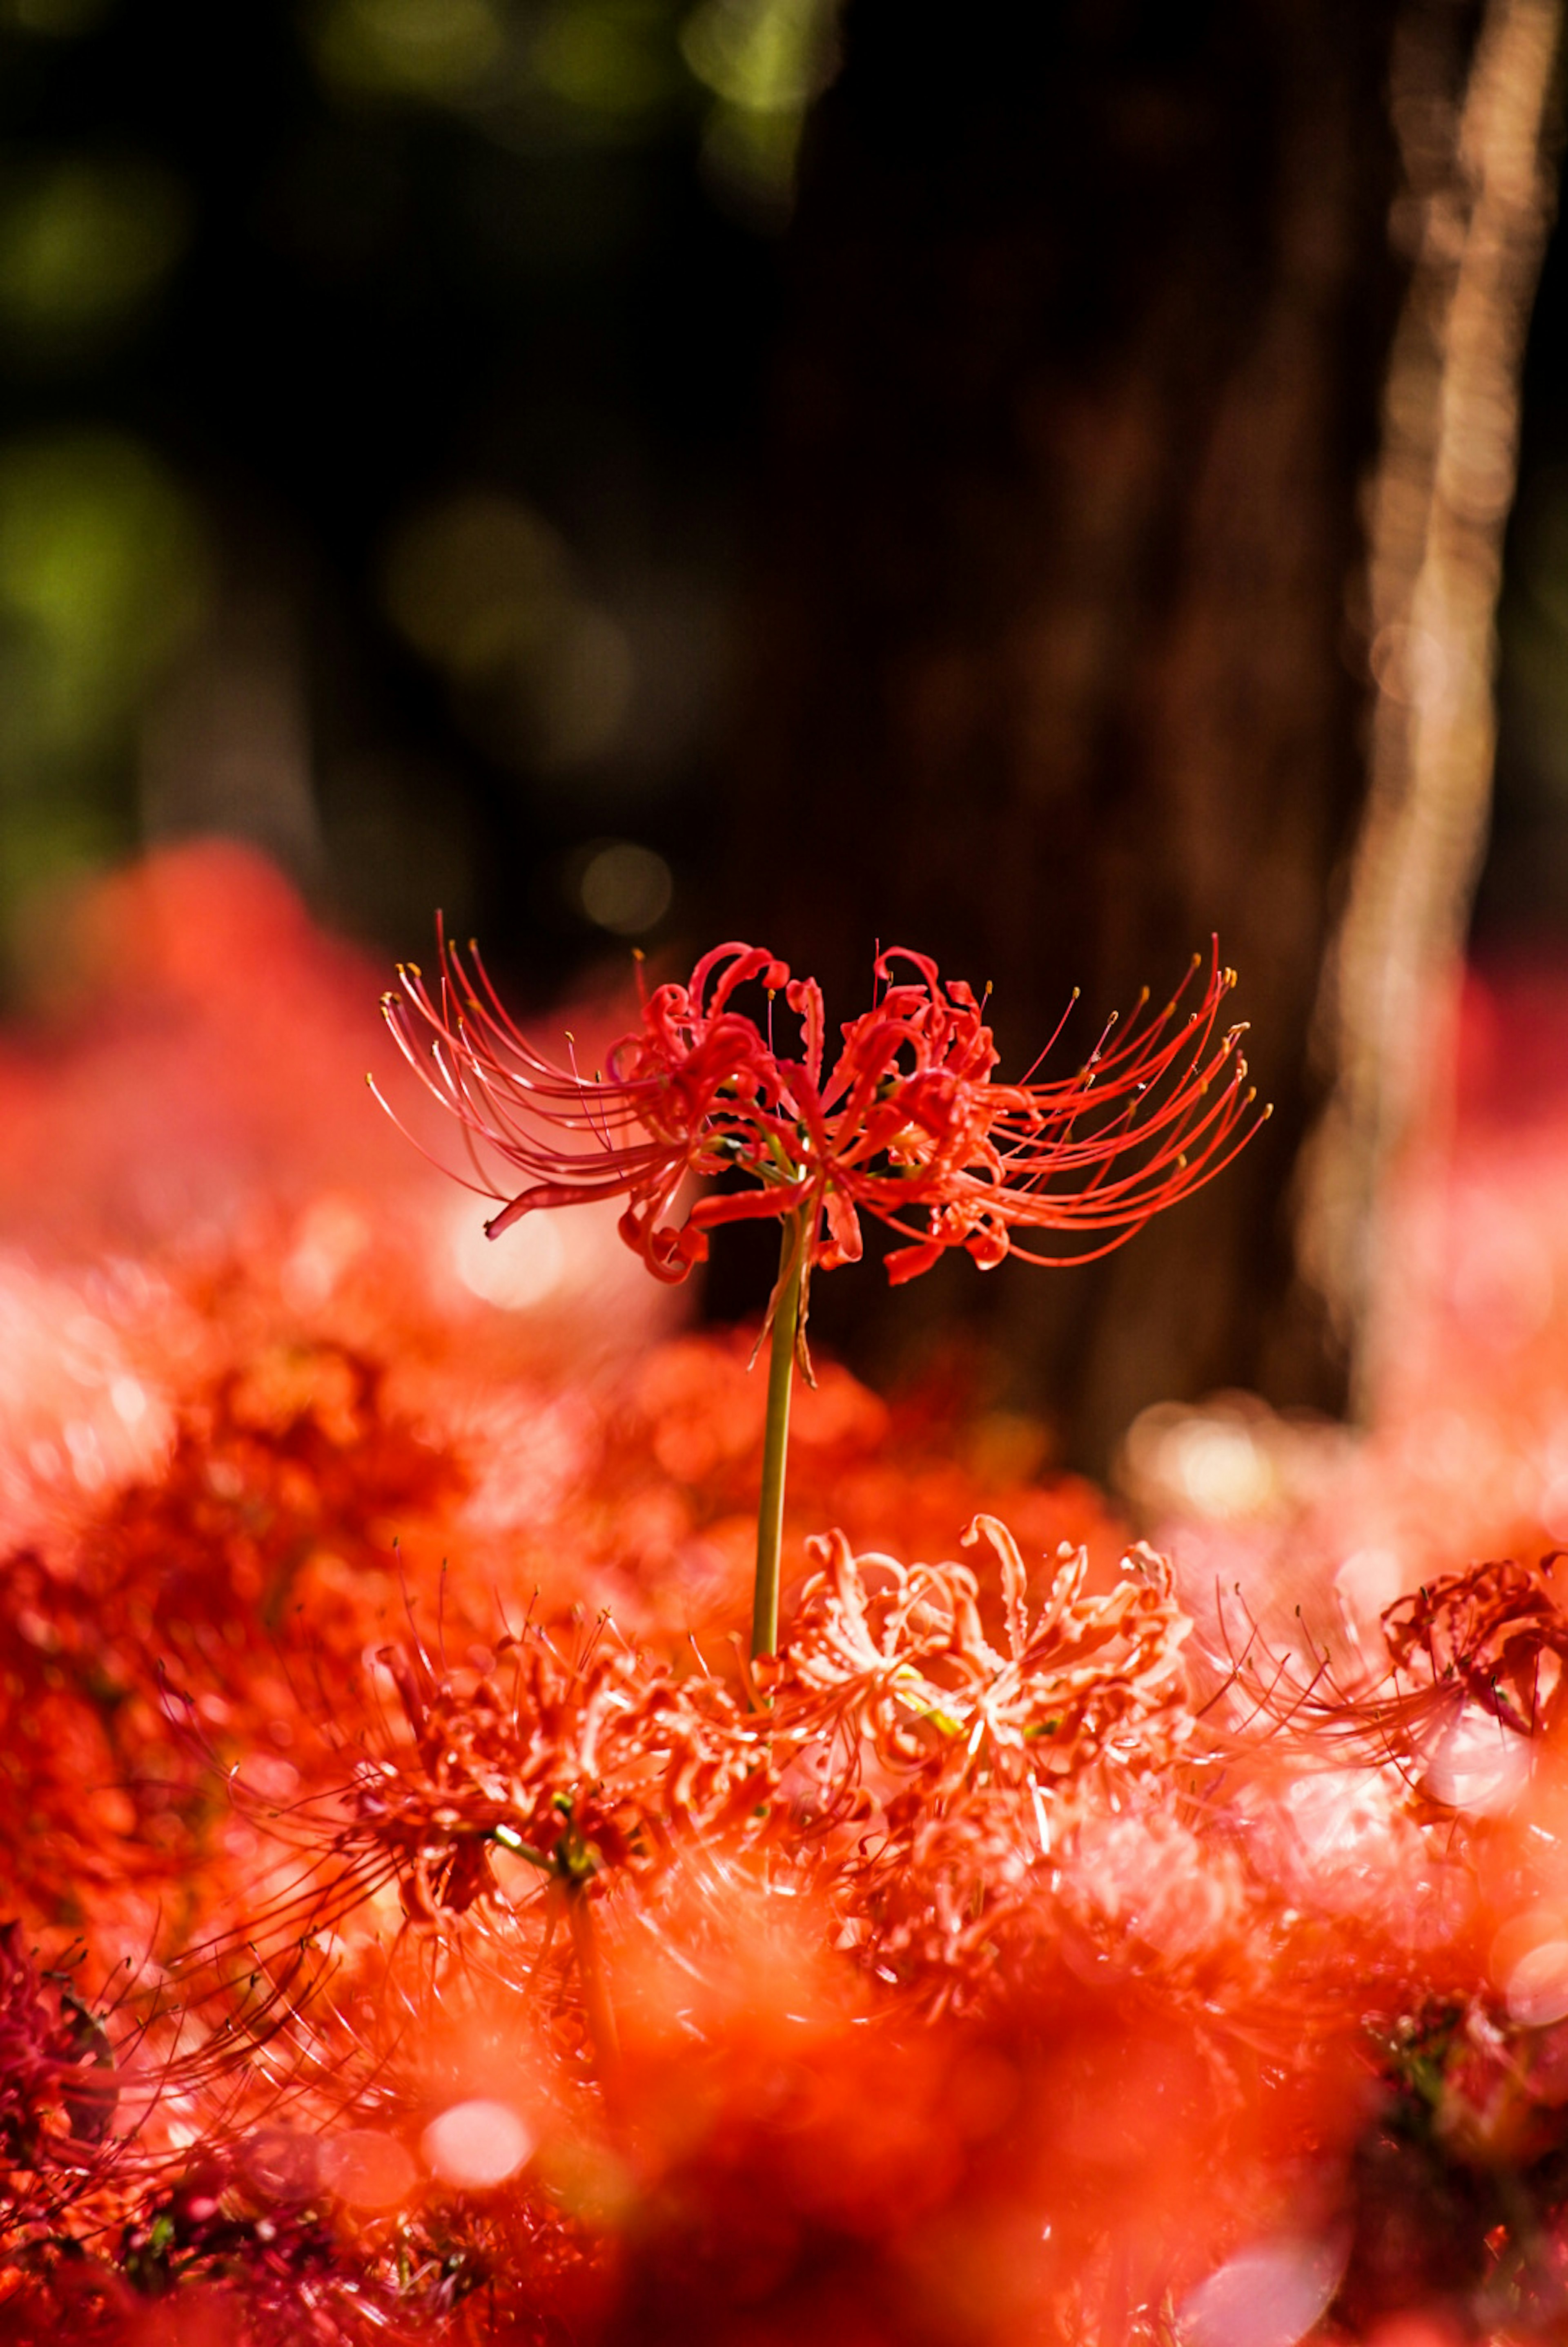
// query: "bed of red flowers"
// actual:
[[426, 1914]]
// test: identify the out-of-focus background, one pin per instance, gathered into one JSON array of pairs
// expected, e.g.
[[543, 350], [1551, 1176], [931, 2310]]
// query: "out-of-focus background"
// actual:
[[382, 388], [1036, 483]]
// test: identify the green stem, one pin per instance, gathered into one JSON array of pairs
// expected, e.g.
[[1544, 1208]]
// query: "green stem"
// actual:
[[776, 1438], [597, 2005]]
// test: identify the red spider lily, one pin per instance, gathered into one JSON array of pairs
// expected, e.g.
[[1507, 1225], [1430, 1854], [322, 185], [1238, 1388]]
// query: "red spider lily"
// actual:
[[966, 1754], [576, 1769], [1498, 1630], [1492, 1640], [908, 1125], [56, 2089]]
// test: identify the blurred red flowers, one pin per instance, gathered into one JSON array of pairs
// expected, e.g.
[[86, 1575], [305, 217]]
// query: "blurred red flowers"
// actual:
[[1020, 1946], [908, 1124]]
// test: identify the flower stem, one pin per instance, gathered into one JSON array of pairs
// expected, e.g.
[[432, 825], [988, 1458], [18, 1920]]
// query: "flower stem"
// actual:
[[776, 1438], [600, 2012]]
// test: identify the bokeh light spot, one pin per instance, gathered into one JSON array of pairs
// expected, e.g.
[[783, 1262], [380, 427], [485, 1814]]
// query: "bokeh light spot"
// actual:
[[103, 575], [1269, 2296], [764, 60], [84, 243], [524, 1268], [281, 2163], [769, 56], [417, 48], [626, 888], [610, 57], [487, 590], [367, 2169], [1537, 1987], [476, 2144], [1478, 1764], [53, 20]]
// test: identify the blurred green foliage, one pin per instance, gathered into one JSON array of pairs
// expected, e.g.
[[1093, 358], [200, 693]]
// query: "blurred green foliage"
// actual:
[[84, 242], [485, 591], [419, 48], [104, 580], [52, 19], [371, 436]]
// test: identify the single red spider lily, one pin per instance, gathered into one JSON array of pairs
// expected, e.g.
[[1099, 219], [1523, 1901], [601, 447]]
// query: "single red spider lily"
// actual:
[[908, 1125]]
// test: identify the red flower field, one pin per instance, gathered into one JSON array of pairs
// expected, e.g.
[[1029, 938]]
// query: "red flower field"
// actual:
[[423, 1918]]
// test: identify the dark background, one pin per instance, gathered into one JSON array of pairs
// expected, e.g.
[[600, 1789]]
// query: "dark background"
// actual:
[[526, 456], [276, 287]]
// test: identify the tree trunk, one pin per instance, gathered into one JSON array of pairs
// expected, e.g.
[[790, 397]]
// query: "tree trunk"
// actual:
[[1060, 621], [1479, 170]]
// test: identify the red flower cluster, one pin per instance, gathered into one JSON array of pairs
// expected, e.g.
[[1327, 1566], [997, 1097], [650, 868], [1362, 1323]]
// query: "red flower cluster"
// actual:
[[908, 1125], [55, 2098], [1016, 1964]]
